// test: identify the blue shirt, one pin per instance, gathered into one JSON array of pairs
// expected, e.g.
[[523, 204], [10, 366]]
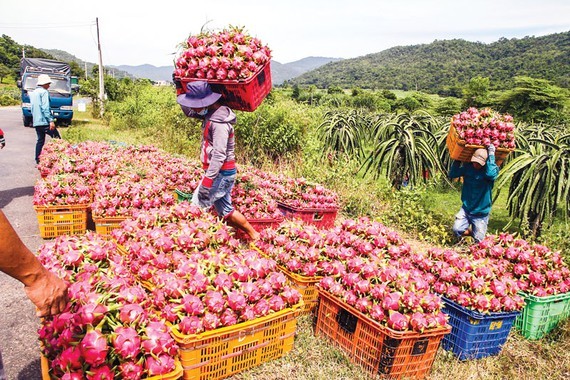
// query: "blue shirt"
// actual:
[[41, 114], [477, 185]]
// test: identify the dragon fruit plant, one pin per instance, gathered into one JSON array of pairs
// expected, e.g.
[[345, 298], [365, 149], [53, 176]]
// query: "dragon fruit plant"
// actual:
[[199, 276], [537, 270], [107, 330], [485, 127], [231, 54]]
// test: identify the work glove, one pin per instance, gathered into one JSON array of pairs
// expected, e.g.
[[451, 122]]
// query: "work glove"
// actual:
[[491, 150], [203, 194]]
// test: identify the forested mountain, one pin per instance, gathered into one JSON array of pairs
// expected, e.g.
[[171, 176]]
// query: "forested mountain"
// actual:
[[445, 66]]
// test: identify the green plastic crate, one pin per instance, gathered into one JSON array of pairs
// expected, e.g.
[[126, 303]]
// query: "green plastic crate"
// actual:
[[542, 314]]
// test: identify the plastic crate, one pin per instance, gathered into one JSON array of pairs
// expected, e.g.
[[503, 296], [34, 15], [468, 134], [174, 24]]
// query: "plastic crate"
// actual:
[[242, 95], [323, 218], [542, 314], [307, 287], [220, 353], [181, 196], [461, 151], [475, 335], [61, 220], [176, 374], [258, 225], [379, 350], [104, 226]]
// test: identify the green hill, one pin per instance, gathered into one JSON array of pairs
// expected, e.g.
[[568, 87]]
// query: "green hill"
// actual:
[[445, 66]]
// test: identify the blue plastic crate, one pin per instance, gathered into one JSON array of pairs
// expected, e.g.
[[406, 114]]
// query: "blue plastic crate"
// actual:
[[475, 335]]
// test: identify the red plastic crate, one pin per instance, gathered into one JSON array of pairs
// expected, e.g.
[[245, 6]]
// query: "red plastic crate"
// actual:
[[242, 95], [258, 225], [323, 218]]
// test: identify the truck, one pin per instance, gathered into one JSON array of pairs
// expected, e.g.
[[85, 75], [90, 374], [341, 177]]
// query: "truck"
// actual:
[[60, 91]]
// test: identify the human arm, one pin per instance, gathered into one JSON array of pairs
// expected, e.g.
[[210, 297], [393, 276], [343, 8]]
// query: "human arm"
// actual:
[[491, 168], [43, 288], [218, 153], [456, 170], [45, 108]]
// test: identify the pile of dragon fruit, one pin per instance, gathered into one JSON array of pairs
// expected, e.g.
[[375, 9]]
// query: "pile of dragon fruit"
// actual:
[[474, 283], [108, 329], [117, 181], [536, 269], [199, 276], [230, 54], [485, 127]]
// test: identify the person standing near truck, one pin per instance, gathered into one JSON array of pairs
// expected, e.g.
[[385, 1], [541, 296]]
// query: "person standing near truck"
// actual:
[[216, 153], [43, 120], [479, 176]]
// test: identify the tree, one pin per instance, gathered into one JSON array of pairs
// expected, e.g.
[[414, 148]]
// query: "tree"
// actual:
[[535, 100], [4, 72], [476, 93]]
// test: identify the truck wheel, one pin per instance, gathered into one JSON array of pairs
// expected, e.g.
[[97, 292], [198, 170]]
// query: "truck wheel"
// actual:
[[27, 121]]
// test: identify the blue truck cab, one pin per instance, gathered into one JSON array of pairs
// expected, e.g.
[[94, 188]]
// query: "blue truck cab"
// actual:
[[60, 90]]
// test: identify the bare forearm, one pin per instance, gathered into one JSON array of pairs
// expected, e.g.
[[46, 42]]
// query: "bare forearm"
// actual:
[[16, 260]]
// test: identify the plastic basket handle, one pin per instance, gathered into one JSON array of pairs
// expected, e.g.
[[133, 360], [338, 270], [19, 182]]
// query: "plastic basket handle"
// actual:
[[317, 216], [347, 321]]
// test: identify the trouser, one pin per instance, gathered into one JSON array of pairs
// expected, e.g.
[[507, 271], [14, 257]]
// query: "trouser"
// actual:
[[41, 132], [463, 220]]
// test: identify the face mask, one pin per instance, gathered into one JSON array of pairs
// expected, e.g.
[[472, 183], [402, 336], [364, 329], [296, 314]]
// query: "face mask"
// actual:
[[202, 112]]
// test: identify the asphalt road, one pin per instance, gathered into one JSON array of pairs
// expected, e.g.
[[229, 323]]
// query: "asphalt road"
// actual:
[[18, 174]]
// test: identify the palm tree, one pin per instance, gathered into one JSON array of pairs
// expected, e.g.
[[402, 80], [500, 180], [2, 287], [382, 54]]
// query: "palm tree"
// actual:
[[404, 147]]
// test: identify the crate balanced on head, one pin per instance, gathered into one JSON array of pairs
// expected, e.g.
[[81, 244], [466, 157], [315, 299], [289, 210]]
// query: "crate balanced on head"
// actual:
[[473, 129]]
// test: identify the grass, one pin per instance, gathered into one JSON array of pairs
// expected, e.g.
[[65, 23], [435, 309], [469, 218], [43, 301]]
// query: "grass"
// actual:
[[316, 358]]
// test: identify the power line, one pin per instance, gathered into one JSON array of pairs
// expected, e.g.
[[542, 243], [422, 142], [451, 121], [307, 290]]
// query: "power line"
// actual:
[[45, 26]]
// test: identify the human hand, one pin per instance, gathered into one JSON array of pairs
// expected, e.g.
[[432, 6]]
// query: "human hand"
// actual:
[[203, 194], [491, 149], [2, 145], [49, 293], [51, 125]]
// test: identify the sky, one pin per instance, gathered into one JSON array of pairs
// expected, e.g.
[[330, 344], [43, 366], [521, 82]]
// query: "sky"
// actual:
[[142, 32]]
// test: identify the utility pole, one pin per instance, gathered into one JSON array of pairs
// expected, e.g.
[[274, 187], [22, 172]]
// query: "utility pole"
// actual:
[[101, 82], [85, 63], [23, 52]]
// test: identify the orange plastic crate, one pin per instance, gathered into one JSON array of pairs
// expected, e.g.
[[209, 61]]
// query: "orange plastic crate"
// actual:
[[176, 374], [242, 95], [220, 353], [459, 150], [61, 220], [379, 350], [104, 226]]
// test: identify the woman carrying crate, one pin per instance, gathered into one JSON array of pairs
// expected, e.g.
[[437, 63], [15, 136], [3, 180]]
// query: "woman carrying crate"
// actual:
[[216, 153]]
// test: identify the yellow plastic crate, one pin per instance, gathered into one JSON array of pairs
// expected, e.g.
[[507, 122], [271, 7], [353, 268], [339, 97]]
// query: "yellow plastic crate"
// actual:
[[176, 374], [220, 353], [104, 226], [306, 286], [61, 220]]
